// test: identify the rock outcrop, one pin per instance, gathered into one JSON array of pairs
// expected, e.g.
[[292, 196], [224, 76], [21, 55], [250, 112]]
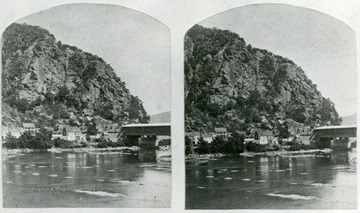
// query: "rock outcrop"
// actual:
[[44, 81], [229, 83]]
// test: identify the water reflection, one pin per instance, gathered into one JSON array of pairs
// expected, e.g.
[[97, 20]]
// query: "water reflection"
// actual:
[[260, 182], [86, 180]]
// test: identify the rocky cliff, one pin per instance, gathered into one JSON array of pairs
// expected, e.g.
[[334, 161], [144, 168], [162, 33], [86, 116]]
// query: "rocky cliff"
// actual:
[[45, 81], [232, 84]]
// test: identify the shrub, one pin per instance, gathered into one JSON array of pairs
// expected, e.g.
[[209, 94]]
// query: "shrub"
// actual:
[[254, 147], [42, 140], [22, 105], [203, 147], [64, 114], [187, 145], [102, 144], [61, 143]]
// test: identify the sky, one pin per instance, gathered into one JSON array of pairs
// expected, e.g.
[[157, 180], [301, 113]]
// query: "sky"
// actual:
[[323, 46], [136, 45]]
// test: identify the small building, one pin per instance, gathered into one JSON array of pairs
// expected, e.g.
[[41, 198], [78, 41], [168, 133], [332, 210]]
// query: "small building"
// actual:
[[57, 135], [221, 131], [195, 137], [29, 127], [15, 132], [112, 136], [248, 140], [208, 137], [4, 132], [305, 139], [74, 134], [264, 136]]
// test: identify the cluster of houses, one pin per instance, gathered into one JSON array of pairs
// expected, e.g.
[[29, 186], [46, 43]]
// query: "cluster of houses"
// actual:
[[17, 132], [263, 137], [69, 133]]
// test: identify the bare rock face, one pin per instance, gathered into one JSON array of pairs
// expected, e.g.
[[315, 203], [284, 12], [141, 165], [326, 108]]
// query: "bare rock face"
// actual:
[[43, 76], [229, 83]]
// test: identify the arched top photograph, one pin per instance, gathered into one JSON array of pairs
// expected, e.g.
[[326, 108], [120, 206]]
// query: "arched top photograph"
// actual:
[[74, 78], [262, 81]]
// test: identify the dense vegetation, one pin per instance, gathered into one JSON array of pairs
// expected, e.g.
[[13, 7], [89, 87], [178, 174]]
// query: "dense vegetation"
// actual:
[[42, 140], [231, 84], [235, 145], [232, 145]]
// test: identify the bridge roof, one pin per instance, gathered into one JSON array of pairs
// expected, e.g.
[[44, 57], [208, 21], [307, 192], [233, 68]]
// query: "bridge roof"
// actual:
[[336, 127], [147, 125]]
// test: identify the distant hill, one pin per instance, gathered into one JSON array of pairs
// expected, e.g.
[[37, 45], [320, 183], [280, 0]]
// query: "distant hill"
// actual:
[[349, 120], [47, 82], [164, 117]]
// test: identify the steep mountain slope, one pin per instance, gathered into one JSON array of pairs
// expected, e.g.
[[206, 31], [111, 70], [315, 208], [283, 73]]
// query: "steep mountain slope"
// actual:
[[45, 81], [229, 83]]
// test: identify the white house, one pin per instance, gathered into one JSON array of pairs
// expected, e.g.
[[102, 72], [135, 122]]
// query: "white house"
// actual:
[[57, 135], [208, 137], [264, 136], [29, 127], [112, 136], [221, 131], [195, 136], [74, 134], [5, 131]]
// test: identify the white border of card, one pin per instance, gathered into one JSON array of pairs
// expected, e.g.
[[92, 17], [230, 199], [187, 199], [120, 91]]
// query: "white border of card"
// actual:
[[179, 16]]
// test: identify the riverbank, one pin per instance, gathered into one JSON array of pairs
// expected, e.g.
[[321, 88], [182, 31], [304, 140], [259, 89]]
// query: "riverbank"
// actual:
[[15, 152], [204, 157], [283, 153], [163, 155], [78, 149]]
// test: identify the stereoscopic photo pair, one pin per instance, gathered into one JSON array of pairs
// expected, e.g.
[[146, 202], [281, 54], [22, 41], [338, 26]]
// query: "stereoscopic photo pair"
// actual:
[[270, 110]]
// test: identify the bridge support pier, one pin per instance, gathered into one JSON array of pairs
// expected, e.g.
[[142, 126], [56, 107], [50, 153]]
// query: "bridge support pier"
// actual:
[[147, 141], [132, 140], [323, 143], [340, 144], [333, 143]]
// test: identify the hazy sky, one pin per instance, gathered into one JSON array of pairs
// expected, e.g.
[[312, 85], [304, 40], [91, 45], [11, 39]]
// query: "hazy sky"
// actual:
[[324, 47], [137, 46]]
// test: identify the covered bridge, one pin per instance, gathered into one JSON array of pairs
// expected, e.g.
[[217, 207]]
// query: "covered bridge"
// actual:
[[142, 129], [335, 132]]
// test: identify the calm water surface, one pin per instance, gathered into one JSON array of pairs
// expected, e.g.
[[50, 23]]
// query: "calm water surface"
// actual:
[[259, 182], [44, 179]]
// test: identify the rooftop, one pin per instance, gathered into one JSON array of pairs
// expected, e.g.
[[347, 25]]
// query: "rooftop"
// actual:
[[192, 134], [265, 133], [28, 125], [73, 129], [220, 129], [146, 125], [336, 127]]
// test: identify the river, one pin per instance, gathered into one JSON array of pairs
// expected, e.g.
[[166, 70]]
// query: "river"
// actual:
[[321, 181], [46, 179]]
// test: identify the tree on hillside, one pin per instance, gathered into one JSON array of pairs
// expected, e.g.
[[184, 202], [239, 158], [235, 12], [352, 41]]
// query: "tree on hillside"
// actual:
[[91, 130]]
